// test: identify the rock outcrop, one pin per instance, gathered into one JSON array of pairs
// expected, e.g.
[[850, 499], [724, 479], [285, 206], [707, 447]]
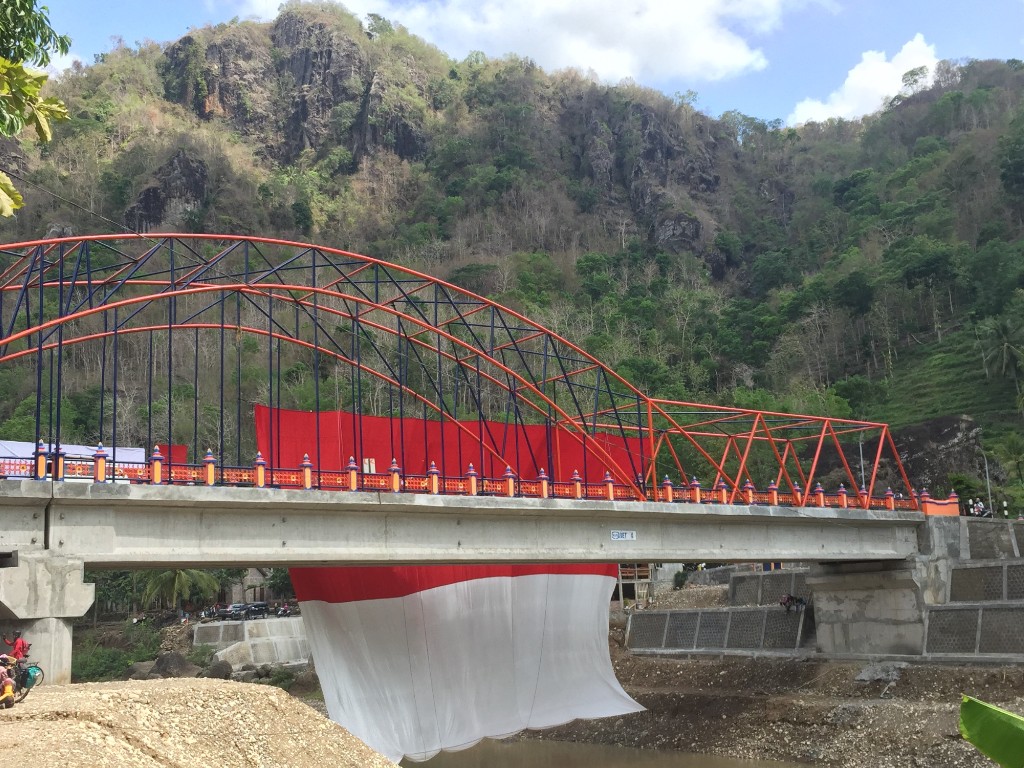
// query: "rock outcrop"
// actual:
[[179, 187]]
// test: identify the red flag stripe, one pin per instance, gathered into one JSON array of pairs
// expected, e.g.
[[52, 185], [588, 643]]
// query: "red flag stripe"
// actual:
[[343, 585]]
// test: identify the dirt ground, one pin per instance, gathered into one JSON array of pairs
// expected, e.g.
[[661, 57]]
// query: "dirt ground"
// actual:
[[805, 711], [178, 723]]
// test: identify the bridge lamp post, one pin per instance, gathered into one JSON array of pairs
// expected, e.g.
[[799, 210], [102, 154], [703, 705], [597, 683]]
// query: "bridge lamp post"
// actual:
[[988, 482]]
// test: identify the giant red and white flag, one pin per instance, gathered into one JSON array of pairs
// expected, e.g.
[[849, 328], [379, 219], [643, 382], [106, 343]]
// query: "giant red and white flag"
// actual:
[[418, 659]]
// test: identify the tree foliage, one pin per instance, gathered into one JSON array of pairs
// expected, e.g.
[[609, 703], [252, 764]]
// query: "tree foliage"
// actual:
[[26, 38]]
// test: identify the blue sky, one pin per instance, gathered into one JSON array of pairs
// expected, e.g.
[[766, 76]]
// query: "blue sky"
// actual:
[[790, 59]]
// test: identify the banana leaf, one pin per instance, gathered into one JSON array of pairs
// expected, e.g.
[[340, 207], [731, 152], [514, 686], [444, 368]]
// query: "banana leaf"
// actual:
[[996, 733]]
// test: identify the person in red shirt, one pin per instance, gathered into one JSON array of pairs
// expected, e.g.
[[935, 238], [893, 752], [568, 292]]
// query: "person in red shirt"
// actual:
[[19, 648]]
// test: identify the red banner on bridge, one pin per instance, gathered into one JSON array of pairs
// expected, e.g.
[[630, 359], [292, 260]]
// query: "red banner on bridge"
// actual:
[[330, 437]]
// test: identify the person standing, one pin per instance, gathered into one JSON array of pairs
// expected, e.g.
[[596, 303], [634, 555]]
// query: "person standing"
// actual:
[[19, 648]]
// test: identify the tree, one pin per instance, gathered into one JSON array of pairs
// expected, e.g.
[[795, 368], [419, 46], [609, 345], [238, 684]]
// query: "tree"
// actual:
[[176, 586], [1011, 451], [1011, 160], [26, 38], [1002, 341]]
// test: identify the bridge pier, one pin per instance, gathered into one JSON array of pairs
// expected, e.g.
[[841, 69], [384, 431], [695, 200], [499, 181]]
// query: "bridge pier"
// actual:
[[40, 595], [871, 608], [880, 608]]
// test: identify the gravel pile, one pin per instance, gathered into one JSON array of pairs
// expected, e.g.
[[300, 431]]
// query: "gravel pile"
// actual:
[[172, 723]]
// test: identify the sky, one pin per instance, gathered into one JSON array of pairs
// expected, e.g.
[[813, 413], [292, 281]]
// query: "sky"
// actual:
[[793, 60]]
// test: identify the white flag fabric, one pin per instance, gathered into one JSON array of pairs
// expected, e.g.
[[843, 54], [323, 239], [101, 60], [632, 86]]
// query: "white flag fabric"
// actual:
[[418, 659]]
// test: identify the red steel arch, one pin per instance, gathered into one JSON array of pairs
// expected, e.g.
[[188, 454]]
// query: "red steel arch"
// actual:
[[404, 335]]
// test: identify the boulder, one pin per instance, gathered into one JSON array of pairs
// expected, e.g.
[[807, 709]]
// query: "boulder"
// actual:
[[139, 670], [172, 664], [219, 670]]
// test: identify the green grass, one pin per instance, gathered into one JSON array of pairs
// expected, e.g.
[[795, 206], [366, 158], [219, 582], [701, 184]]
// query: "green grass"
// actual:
[[947, 378]]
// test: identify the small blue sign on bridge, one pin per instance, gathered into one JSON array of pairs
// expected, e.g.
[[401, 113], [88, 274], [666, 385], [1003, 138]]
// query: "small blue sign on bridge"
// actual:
[[623, 535]]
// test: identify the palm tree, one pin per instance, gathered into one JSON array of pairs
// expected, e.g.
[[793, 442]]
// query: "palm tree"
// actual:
[[176, 586], [1002, 341], [1011, 450]]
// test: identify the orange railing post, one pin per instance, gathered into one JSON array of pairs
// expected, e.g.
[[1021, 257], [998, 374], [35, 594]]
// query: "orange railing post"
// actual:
[[472, 480], [748, 491], [353, 473], [99, 464], [890, 499], [609, 485], [843, 496], [577, 483], [433, 479], [510, 481], [260, 469], [819, 495], [210, 467], [798, 495], [396, 476], [723, 492], [862, 495], [695, 490], [307, 472], [40, 463], [543, 477], [156, 466], [773, 494], [58, 465], [666, 490]]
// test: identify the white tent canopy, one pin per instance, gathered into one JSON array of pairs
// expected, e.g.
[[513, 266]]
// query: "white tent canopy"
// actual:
[[16, 449]]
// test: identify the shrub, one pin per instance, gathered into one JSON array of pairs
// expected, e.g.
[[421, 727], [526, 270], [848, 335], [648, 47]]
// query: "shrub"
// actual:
[[679, 579], [201, 655]]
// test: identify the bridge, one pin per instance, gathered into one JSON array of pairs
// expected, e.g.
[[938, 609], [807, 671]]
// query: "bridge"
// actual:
[[300, 404]]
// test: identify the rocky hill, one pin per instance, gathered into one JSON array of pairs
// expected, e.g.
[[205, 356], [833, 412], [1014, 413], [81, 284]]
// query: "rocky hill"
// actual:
[[870, 268]]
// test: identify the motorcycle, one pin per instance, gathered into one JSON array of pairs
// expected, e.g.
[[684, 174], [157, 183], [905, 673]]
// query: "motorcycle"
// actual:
[[26, 677], [283, 611]]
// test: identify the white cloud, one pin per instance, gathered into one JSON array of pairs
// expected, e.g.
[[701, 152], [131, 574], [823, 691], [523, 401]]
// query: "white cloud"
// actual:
[[867, 84], [62, 62], [648, 40]]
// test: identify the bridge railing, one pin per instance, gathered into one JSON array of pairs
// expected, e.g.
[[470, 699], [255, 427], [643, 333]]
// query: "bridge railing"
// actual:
[[158, 470]]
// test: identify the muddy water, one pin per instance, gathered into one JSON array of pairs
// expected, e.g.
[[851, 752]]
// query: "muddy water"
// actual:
[[560, 754]]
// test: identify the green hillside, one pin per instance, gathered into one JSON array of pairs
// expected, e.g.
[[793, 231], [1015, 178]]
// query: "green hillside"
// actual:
[[871, 267]]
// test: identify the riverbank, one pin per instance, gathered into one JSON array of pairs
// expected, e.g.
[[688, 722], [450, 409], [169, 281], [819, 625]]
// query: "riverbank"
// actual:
[[814, 712]]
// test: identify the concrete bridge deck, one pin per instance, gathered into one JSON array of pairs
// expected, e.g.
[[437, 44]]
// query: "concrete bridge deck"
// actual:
[[133, 526]]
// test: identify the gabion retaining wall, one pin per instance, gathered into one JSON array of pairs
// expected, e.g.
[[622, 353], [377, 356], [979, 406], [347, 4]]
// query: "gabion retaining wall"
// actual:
[[977, 629], [766, 628], [981, 583], [767, 587]]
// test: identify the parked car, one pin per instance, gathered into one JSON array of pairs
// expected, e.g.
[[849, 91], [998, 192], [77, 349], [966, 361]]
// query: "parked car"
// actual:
[[258, 610], [234, 611]]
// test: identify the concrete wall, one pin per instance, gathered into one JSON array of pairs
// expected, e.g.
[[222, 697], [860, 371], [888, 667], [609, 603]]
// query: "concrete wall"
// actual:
[[257, 641]]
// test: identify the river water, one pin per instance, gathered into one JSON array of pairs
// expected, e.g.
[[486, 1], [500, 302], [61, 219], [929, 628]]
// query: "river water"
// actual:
[[561, 754]]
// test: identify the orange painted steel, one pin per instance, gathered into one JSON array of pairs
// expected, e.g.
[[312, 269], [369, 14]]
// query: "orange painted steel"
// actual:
[[717, 444]]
